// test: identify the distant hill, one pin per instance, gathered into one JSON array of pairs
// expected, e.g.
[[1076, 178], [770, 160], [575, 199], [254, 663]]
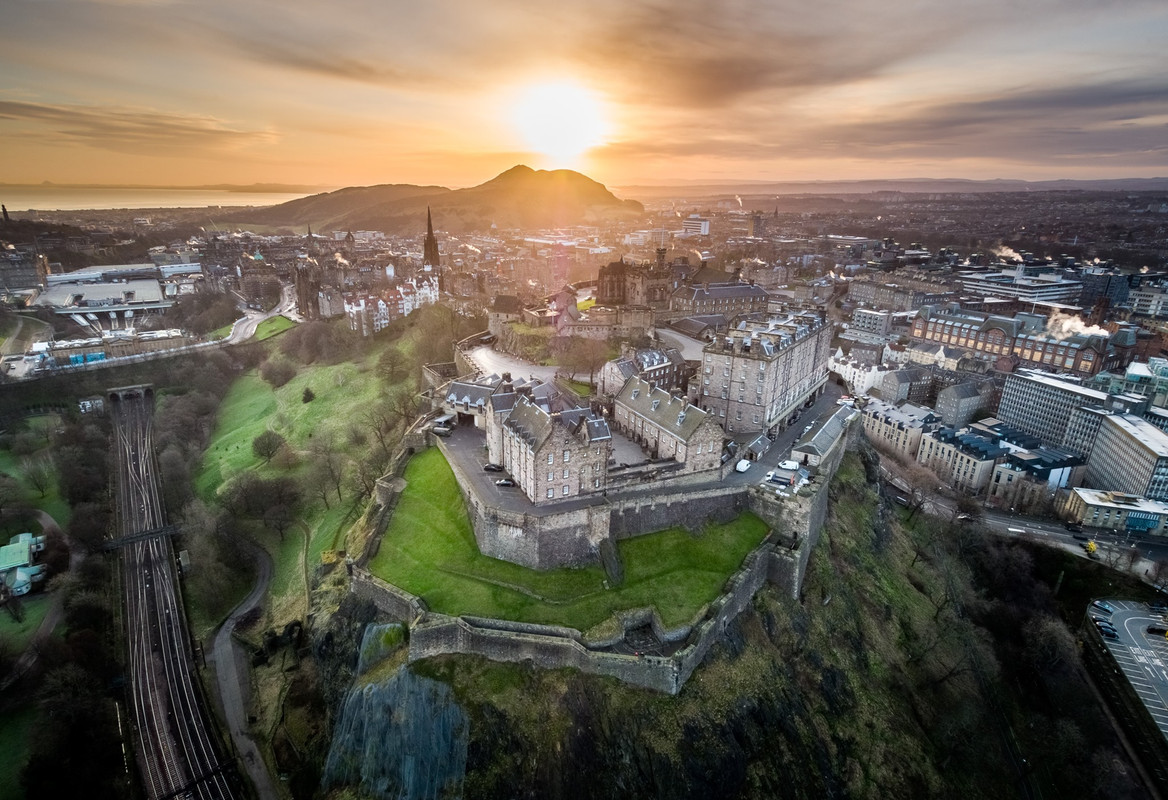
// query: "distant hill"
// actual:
[[907, 185], [518, 198]]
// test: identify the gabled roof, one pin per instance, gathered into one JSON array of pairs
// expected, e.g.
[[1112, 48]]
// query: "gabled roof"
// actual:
[[671, 414], [529, 422]]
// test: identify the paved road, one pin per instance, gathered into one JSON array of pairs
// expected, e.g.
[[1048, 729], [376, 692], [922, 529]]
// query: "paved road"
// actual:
[[490, 361], [1142, 656], [233, 678], [245, 327]]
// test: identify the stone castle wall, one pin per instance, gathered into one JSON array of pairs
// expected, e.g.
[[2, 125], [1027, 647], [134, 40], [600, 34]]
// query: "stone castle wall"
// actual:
[[781, 560]]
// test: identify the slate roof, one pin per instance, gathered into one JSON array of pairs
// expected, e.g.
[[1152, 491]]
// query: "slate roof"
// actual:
[[529, 422], [703, 292], [672, 414], [825, 435]]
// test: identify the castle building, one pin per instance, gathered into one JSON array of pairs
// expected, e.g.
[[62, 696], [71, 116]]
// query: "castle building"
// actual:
[[756, 377], [555, 455], [662, 368], [667, 426]]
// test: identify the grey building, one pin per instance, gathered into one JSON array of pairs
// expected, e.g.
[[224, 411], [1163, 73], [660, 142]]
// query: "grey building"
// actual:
[[1130, 455], [756, 377]]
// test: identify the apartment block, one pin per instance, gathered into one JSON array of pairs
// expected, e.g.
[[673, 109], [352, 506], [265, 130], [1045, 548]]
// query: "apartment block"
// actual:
[[897, 427], [962, 459], [1131, 456], [756, 377]]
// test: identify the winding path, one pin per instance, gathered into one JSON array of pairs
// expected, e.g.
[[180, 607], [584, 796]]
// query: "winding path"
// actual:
[[232, 677]]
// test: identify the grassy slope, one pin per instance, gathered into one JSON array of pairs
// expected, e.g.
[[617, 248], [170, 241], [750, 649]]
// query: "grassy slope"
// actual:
[[342, 392], [429, 550], [19, 634]]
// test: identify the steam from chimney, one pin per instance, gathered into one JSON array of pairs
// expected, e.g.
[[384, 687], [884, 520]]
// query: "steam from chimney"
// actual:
[[341, 260], [739, 199], [1063, 326], [1008, 253]]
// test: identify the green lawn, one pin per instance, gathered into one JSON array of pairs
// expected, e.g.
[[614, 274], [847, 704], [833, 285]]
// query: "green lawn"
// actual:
[[19, 634], [13, 465], [15, 729], [270, 327], [221, 333], [343, 392], [429, 550]]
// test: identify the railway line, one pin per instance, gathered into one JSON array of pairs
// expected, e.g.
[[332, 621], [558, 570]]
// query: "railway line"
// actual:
[[178, 752]]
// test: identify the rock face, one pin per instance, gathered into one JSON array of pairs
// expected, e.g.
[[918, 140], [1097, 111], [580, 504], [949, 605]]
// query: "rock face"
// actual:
[[403, 738]]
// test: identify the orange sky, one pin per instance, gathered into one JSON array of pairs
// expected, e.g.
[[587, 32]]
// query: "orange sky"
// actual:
[[362, 92]]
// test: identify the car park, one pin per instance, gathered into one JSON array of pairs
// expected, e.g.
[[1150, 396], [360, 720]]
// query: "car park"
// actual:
[[504, 482], [1103, 606], [492, 468]]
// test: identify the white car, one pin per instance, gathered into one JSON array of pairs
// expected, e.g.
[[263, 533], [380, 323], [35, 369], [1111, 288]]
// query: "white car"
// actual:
[[742, 465]]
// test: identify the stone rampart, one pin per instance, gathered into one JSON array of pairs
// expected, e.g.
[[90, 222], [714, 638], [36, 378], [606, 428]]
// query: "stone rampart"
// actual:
[[442, 635], [640, 515], [781, 560], [395, 603]]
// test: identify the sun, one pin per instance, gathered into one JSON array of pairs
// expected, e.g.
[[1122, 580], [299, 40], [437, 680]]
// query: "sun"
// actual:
[[560, 120]]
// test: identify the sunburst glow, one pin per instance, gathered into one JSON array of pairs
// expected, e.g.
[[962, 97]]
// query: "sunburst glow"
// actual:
[[561, 121]]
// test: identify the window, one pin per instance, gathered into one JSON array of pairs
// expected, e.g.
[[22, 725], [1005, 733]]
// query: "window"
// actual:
[[566, 490], [551, 492], [551, 458], [567, 454], [565, 474], [551, 475], [596, 483]]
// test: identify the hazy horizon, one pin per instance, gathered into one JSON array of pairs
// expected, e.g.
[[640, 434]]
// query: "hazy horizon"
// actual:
[[452, 93]]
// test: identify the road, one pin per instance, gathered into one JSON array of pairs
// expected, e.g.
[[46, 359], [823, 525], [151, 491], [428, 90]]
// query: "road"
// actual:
[[245, 327], [177, 750], [233, 676]]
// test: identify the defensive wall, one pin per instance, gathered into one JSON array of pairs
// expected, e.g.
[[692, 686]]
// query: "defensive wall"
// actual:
[[781, 559]]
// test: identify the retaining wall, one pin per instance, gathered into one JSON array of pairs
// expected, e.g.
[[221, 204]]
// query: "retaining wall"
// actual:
[[781, 560]]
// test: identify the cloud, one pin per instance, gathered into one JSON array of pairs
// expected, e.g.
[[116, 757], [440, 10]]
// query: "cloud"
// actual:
[[132, 131]]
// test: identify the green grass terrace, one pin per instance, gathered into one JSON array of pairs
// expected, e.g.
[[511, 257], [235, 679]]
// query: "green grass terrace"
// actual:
[[429, 550]]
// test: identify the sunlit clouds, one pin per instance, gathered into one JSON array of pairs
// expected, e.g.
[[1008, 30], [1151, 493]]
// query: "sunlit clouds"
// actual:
[[630, 91]]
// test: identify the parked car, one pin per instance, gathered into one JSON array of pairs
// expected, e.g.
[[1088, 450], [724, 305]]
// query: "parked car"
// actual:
[[1073, 527], [1102, 623], [742, 465], [442, 430], [1103, 606], [504, 482], [1106, 634], [492, 468]]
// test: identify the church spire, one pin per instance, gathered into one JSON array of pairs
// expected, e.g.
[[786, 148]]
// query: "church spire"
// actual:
[[430, 244]]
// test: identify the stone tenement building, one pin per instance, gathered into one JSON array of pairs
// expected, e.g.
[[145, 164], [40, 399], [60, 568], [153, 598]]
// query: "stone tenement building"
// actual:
[[757, 376], [667, 426], [1025, 340], [555, 456]]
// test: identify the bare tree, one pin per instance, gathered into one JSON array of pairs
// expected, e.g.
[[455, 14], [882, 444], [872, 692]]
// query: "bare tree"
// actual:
[[39, 474], [328, 464]]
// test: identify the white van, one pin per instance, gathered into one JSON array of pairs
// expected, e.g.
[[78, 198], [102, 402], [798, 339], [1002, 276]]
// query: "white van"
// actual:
[[743, 465]]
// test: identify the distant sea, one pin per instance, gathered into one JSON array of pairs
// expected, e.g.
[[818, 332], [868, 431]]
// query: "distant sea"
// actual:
[[67, 198]]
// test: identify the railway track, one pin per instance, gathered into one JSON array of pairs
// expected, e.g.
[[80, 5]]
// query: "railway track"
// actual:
[[177, 750]]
